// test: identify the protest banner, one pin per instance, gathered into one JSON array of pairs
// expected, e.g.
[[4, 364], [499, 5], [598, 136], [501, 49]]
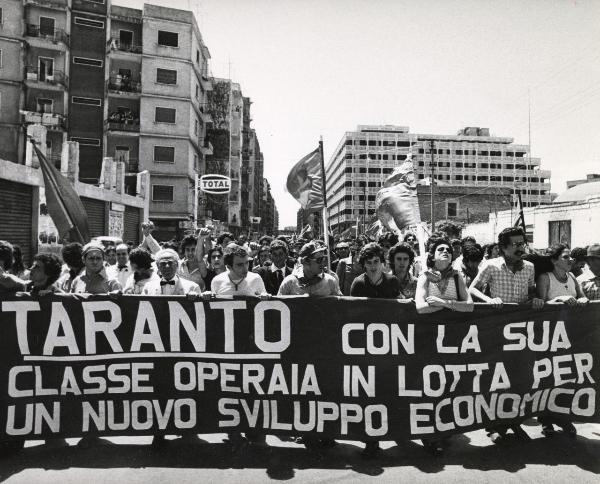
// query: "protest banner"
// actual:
[[349, 368]]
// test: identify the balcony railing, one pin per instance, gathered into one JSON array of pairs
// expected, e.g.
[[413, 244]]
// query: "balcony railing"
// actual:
[[53, 35], [50, 120], [56, 78], [116, 44], [124, 84], [129, 125]]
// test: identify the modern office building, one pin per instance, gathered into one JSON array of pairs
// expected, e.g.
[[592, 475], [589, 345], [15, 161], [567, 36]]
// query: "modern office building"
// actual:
[[471, 160]]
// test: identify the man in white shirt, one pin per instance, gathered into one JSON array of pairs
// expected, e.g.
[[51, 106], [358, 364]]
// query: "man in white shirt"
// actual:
[[141, 264], [236, 280], [169, 284], [122, 269]]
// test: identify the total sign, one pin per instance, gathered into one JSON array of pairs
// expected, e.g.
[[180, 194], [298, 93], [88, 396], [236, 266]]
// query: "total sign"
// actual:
[[216, 184]]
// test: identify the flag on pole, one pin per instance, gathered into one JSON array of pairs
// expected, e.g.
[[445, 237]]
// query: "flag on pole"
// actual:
[[305, 182], [396, 204], [63, 203]]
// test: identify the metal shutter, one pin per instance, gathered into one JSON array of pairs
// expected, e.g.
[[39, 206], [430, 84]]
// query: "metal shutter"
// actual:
[[132, 225], [96, 212], [15, 216]]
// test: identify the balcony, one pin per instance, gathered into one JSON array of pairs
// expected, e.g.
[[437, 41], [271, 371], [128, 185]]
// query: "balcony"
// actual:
[[115, 45], [56, 122], [206, 147], [124, 85], [131, 165], [54, 36], [129, 126], [57, 79]]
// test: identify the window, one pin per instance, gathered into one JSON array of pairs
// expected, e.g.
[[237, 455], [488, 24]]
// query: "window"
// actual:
[[1, 16], [166, 76], [87, 61], [162, 193], [559, 232], [122, 153], [168, 39], [44, 105], [451, 209], [47, 26], [86, 141], [90, 101], [125, 38], [164, 154], [45, 69], [165, 115], [96, 24], [101, 2], [0, 55]]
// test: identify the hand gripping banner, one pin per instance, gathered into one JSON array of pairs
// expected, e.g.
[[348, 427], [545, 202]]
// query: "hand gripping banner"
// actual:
[[348, 368]]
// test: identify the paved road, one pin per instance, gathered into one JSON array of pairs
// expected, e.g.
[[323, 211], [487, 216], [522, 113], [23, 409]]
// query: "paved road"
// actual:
[[471, 457]]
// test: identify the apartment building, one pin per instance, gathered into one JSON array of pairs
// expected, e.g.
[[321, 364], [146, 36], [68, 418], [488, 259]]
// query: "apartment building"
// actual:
[[472, 160], [124, 83]]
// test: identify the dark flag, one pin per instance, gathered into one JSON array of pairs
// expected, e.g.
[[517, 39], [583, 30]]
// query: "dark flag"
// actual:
[[63, 203], [521, 220], [305, 182]]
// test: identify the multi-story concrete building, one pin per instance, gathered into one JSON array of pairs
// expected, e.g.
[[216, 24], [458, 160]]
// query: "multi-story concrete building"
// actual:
[[471, 159], [124, 83]]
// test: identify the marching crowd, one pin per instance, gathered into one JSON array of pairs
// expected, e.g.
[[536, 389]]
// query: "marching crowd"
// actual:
[[451, 274]]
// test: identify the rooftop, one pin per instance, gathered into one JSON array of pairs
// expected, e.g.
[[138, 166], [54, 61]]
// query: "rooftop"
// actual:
[[579, 193]]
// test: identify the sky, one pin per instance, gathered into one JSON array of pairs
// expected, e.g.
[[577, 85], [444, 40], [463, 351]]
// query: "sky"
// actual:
[[321, 67]]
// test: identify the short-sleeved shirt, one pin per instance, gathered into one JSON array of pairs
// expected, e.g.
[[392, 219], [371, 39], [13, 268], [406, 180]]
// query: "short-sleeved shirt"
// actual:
[[388, 288], [252, 285], [408, 286], [511, 287], [194, 276], [590, 285], [326, 285], [95, 284]]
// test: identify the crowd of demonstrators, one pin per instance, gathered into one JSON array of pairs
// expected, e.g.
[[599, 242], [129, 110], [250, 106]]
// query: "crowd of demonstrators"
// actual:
[[451, 275]]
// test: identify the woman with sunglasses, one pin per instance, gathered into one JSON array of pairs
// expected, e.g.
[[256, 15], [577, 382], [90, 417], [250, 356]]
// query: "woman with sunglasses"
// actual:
[[439, 287]]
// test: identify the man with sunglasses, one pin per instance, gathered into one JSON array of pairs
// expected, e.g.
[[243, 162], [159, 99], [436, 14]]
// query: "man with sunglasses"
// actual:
[[510, 280], [310, 278]]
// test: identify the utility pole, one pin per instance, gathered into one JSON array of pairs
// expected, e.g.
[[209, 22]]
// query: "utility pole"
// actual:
[[432, 187]]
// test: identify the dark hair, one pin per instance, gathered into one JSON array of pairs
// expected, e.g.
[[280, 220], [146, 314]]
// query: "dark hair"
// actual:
[[187, 240], [401, 247], [171, 244], [223, 236], [488, 249], [110, 247], [141, 258], [555, 250], [279, 244], [507, 233], [283, 238], [211, 251], [265, 239], [455, 242], [433, 245], [72, 254], [52, 266], [369, 251], [389, 237], [17, 259], [264, 248], [234, 250], [468, 238], [6, 254], [579, 254], [472, 253], [409, 234]]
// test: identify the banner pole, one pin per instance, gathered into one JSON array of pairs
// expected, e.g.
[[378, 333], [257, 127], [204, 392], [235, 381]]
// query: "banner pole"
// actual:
[[324, 191]]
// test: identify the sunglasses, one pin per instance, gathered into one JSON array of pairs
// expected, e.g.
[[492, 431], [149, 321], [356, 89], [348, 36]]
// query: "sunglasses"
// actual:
[[318, 260], [443, 249]]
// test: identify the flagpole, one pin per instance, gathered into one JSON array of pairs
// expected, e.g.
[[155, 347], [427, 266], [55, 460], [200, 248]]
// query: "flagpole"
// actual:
[[324, 191]]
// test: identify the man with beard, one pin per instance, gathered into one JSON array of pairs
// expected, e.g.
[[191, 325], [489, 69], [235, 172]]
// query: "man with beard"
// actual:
[[143, 272], [510, 279]]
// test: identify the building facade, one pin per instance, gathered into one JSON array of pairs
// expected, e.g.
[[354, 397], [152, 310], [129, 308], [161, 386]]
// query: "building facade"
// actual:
[[471, 160], [124, 83]]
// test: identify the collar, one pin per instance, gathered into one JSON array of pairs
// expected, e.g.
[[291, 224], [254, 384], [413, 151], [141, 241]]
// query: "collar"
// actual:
[[518, 266], [174, 278], [101, 274], [274, 268]]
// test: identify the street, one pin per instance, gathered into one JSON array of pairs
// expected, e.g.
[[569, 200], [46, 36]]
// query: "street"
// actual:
[[470, 457]]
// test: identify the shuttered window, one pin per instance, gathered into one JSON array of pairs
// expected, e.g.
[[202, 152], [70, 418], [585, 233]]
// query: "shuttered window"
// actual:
[[165, 115], [164, 154], [166, 76]]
